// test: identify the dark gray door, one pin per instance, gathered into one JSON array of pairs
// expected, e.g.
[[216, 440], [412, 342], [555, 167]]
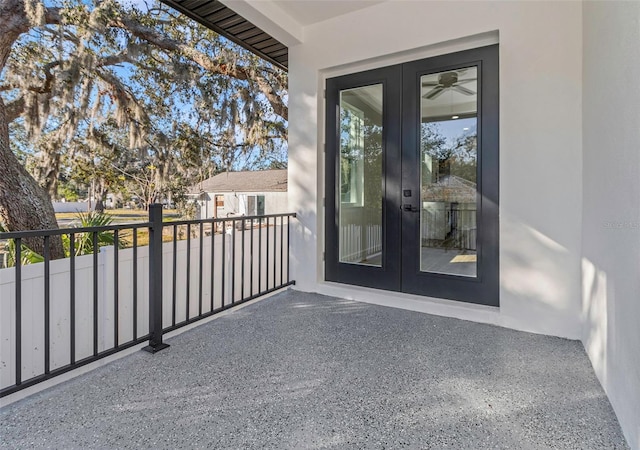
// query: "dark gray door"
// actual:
[[362, 176], [412, 177]]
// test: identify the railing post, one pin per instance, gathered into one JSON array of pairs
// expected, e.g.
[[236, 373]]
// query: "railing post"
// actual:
[[155, 280]]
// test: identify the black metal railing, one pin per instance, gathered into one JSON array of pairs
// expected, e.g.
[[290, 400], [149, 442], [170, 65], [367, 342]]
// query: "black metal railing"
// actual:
[[248, 256], [98, 299]]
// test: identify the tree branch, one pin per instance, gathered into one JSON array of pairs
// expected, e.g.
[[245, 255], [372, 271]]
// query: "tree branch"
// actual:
[[15, 109], [52, 16], [122, 93], [214, 66]]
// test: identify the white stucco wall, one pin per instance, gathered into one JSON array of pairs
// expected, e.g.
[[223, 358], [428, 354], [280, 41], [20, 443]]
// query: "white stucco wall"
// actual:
[[611, 204], [540, 153]]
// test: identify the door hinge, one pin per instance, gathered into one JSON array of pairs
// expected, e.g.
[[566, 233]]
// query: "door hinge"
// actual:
[[324, 201], [324, 93]]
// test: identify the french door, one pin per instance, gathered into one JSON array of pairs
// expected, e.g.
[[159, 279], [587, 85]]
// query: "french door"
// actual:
[[412, 177]]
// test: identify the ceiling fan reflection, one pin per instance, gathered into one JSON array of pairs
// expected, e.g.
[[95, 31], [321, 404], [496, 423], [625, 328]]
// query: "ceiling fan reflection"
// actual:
[[448, 81]]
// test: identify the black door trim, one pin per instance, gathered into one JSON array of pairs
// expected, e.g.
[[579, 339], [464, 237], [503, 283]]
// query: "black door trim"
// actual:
[[401, 116], [484, 288], [388, 276]]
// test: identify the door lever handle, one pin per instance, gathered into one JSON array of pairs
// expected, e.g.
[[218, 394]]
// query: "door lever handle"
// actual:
[[409, 208]]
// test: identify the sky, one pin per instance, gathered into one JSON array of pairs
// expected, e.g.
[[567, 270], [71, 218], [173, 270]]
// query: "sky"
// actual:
[[452, 129]]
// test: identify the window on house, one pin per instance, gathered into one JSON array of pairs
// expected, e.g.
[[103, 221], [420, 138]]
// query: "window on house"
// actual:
[[255, 205]]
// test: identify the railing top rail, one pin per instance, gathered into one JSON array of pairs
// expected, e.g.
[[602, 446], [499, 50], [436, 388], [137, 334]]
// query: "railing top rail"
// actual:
[[225, 219], [61, 231], [128, 226]]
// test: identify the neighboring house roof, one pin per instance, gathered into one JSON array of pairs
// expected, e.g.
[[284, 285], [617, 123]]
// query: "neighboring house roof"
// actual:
[[450, 188], [248, 181]]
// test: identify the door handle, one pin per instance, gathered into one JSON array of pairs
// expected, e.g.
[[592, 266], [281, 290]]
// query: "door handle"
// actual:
[[409, 208]]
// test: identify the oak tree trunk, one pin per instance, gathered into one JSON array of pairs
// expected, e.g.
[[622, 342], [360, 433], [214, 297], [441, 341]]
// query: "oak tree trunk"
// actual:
[[24, 205]]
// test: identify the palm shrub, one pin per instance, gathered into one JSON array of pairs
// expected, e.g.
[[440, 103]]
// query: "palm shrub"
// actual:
[[28, 256], [83, 242]]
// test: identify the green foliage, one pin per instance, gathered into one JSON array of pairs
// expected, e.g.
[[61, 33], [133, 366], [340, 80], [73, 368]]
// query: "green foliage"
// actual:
[[83, 243], [28, 256], [68, 192], [114, 90]]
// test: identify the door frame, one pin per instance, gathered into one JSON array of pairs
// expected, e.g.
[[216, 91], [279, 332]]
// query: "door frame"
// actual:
[[400, 271], [484, 288], [388, 275]]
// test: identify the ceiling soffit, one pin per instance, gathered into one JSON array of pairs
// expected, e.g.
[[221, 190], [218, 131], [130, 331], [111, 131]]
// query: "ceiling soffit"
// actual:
[[226, 22]]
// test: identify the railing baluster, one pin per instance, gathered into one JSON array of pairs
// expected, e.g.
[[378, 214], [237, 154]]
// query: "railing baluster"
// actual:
[[275, 253], [260, 255], [18, 244], [233, 261], [72, 298], [213, 259], [174, 275], [94, 240], [213, 262], [251, 261], [47, 305], [288, 248], [224, 257], [242, 261], [266, 258], [200, 272], [188, 282], [281, 249], [135, 283], [116, 275]]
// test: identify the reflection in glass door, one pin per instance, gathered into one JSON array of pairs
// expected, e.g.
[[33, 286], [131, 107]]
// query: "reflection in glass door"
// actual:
[[360, 208], [448, 172], [362, 200]]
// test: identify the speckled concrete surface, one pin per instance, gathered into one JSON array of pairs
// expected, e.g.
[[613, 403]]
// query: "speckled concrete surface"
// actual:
[[307, 371]]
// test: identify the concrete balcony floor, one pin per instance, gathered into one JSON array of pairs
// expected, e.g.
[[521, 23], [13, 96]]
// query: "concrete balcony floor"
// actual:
[[307, 371]]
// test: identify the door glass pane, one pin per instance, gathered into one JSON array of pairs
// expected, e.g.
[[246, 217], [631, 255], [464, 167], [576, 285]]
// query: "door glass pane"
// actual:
[[360, 180], [449, 156]]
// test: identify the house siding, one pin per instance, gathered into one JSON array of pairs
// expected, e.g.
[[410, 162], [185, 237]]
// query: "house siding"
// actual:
[[275, 203]]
